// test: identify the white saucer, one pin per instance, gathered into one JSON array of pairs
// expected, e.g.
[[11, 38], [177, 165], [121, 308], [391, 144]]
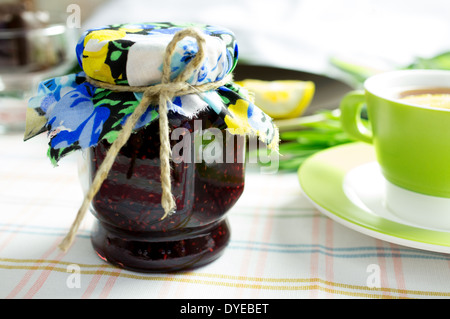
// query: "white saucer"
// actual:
[[345, 183]]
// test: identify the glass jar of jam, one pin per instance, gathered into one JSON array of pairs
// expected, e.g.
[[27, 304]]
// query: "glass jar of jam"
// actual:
[[130, 231], [207, 124]]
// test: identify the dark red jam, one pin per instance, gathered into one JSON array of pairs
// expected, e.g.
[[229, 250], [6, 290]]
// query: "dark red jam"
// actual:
[[130, 231]]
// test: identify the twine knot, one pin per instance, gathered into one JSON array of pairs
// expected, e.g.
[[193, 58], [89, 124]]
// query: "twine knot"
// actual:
[[162, 93]]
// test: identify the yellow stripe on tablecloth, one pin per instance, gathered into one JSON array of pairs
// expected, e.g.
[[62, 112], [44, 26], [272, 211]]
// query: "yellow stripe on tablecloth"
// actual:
[[314, 283]]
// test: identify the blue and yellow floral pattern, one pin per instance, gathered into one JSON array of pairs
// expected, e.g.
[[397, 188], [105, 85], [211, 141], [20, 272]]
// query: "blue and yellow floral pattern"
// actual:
[[78, 115]]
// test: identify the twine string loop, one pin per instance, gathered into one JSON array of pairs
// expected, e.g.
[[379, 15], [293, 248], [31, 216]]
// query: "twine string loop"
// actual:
[[162, 93]]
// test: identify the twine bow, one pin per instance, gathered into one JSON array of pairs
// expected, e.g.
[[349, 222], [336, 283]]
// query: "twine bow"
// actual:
[[164, 93]]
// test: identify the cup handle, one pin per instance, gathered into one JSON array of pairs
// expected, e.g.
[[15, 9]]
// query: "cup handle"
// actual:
[[350, 107]]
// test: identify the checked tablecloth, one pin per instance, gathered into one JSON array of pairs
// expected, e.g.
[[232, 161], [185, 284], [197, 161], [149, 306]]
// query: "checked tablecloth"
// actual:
[[281, 246]]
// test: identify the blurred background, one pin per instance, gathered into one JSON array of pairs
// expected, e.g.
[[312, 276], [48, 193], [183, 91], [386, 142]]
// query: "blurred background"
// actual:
[[296, 34], [300, 34], [334, 43]]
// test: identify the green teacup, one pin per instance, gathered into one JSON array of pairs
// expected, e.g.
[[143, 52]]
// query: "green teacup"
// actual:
[[412, 142]]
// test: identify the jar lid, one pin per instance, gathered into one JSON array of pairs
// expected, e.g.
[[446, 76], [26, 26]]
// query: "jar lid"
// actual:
[[78, 114], [132, 54]]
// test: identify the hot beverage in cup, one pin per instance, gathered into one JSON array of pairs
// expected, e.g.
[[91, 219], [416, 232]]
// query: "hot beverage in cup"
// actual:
[[431, 97]]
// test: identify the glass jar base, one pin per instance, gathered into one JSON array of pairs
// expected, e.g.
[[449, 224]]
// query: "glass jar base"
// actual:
[[144, 253]]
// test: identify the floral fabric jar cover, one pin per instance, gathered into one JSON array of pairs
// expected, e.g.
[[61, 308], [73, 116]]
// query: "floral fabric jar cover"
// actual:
[[78, 115]]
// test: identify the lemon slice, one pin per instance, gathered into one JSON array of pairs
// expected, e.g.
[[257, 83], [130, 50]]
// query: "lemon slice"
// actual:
[[282, 98], [431, 100]]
